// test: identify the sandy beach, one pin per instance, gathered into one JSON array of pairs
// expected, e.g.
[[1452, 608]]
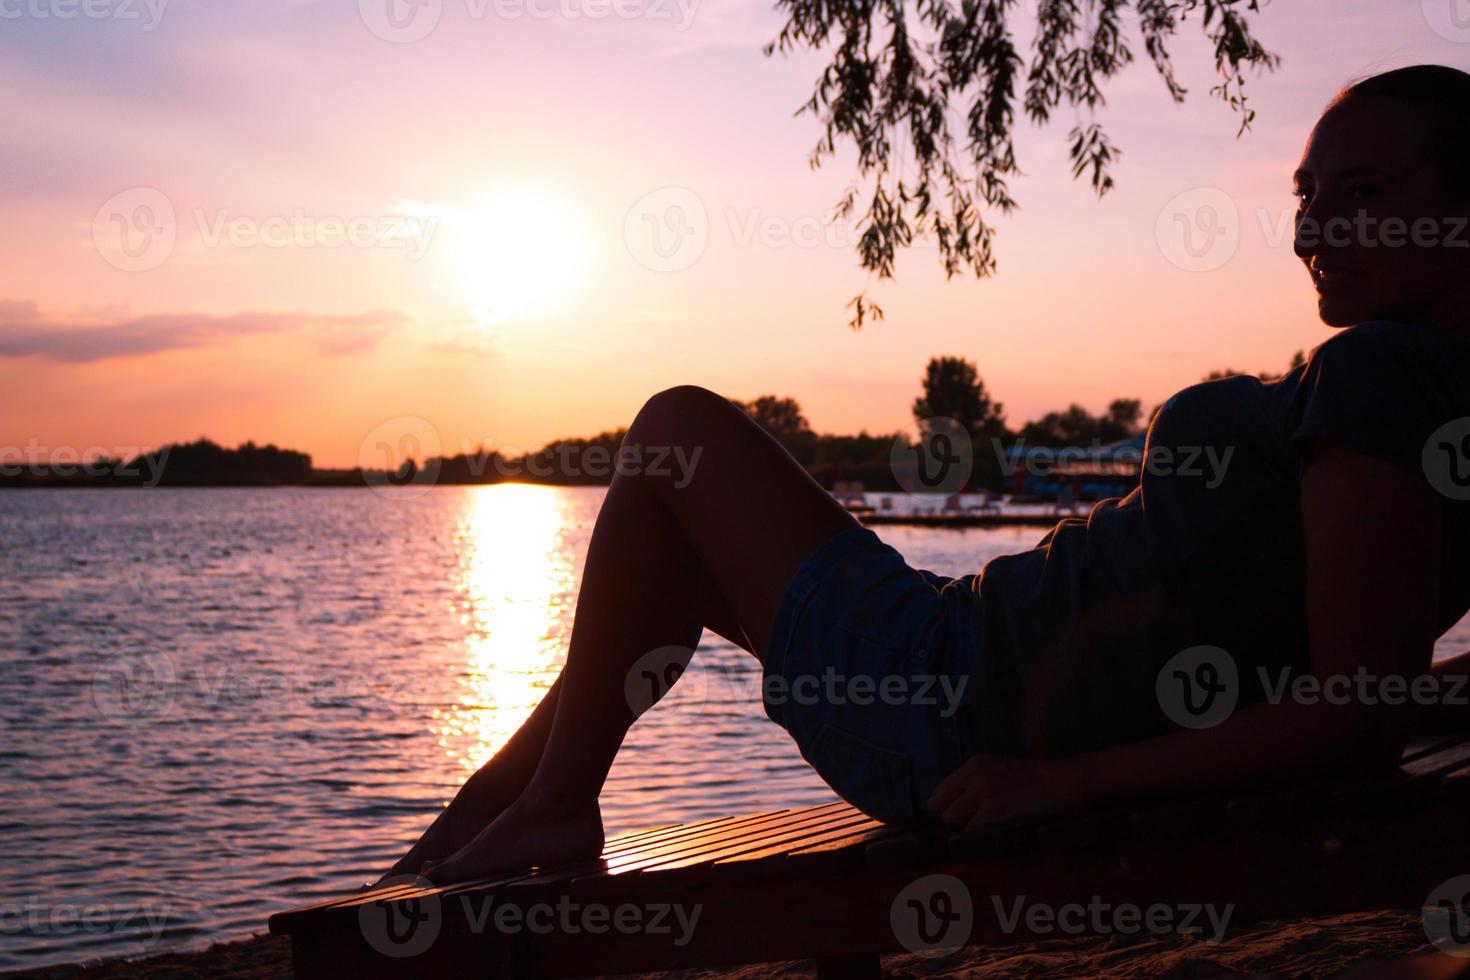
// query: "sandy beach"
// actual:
[[1296, 948]]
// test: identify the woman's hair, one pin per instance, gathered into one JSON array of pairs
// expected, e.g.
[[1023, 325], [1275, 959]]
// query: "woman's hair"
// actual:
[[1445, 92]]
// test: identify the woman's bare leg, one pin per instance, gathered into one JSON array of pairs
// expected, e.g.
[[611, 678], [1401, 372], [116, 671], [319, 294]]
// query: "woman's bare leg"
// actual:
[[497, 784], [741, 524]]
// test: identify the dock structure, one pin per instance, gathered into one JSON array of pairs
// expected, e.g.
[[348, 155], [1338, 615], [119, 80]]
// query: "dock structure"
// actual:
[[829, 884]]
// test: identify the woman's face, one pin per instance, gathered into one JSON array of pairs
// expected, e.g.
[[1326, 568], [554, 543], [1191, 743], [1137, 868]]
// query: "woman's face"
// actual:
[[1381, 232]]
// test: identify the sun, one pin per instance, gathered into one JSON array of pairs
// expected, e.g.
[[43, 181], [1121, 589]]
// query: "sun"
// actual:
[[517, 253]]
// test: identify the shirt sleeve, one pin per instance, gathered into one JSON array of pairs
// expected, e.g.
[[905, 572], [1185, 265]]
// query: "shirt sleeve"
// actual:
[[1369, 391]]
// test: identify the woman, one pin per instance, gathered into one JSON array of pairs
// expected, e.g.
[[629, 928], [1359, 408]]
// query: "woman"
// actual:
[[1317, 547]]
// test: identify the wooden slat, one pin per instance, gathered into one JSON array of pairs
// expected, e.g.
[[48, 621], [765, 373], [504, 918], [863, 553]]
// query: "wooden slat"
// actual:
[[846, 831], [790, 834], [752, 828], [684, 872], [832, 850], [1420, 747], [755, 830], [623, 847], [646, 832], [839, 854], [861, 837], [1439, 761]]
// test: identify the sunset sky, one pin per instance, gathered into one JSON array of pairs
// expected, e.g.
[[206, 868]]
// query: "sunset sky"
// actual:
[[174, 177]]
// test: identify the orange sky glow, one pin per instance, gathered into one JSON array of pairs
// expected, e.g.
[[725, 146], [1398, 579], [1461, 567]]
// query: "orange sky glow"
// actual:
[[268, 221]]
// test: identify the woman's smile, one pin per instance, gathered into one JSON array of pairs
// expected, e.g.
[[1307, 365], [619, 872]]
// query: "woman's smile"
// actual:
[[1330, 277]]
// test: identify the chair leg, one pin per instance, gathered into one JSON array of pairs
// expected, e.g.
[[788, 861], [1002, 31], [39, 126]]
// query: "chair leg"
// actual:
[[857, 966]]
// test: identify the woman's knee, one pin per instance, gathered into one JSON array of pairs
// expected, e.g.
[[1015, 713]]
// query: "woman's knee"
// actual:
[[678, 416]]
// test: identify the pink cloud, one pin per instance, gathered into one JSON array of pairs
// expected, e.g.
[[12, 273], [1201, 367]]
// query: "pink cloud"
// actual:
[[27, 332]]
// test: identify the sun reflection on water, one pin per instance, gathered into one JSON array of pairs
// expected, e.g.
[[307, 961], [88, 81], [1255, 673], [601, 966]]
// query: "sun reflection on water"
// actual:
[[514, 594]]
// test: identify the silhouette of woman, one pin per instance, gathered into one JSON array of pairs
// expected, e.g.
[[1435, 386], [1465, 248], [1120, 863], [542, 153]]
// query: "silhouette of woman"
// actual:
[[1169, 642]]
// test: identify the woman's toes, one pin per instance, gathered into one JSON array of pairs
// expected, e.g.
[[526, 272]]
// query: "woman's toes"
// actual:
[[472, 862]]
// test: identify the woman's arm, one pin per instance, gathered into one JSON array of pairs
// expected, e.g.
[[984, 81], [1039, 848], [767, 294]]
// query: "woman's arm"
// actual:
[[1372, 539]]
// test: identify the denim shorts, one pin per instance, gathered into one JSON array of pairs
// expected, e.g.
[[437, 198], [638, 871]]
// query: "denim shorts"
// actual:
[[869, 670]]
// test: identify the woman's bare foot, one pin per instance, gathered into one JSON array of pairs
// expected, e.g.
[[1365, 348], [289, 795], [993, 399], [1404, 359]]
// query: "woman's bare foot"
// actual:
[[454, 827], [528, 833]]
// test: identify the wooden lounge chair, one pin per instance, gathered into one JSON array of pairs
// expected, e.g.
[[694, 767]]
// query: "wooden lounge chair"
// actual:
[[828, 883]]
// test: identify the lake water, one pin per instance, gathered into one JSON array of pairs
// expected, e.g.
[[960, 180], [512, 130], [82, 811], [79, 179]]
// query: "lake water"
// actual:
[[217, 703]]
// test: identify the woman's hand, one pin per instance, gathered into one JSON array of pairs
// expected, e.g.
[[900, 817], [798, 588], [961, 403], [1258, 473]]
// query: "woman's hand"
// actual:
[[989, 789]]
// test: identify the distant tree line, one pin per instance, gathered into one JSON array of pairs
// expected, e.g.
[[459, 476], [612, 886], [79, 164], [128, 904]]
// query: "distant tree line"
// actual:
[[951, 388], [201, 463]]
